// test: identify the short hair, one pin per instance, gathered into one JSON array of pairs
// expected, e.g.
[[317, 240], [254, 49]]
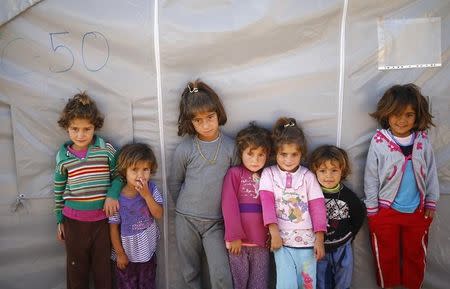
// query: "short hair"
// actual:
[[396, 99], [253, 136], [133, 153], [198, 97], [331, 153], [287, 131], [81, 106]]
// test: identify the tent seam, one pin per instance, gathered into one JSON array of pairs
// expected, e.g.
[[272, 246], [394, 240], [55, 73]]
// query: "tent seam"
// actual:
[[341, 74], [161, 140]]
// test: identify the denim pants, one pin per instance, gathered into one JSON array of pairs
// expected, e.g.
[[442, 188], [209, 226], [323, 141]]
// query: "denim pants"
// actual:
[[335, 270]]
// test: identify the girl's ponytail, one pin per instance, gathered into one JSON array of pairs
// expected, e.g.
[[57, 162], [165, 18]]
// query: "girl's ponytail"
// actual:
[[287, 131]]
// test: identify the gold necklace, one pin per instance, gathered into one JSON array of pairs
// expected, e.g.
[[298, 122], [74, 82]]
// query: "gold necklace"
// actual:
[[213, 160]]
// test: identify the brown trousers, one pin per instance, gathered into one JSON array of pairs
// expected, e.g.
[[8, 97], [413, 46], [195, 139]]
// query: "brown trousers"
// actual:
[[88, 248]]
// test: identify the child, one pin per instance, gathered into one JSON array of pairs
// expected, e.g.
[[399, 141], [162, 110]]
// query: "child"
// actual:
[[293, 209], [134, 232], [199, 165], [345, 214], [245, 233], [84, 166], [401, 187]]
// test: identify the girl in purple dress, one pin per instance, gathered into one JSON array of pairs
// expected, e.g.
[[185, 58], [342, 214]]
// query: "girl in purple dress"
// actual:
[[134, 232]]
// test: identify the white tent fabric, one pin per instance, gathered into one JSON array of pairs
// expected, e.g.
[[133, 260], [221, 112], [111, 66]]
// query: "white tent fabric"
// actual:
[[12, 8], [316, 61]]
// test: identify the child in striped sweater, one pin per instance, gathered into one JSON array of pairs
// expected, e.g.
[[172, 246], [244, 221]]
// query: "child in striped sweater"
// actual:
[[84, 166]]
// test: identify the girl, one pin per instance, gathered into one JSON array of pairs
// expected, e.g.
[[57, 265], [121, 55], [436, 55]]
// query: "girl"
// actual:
[[245, 233], [293, 209], [135, 241], [345, 214], [199, 165], [84, 166], [401, 187]]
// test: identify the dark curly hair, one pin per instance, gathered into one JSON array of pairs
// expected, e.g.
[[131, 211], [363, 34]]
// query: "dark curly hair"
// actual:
[[332, 153], [253, 136], [83, 107], [198, 97], [396, 99]]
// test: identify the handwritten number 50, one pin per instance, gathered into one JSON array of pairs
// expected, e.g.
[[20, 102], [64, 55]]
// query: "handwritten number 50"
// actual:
[[61, 48]]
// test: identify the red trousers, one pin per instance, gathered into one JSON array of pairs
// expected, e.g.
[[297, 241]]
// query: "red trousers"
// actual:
[[399, 246]]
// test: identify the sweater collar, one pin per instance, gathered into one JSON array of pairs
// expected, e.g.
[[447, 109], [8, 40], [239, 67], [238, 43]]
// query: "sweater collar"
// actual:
[[332, 190]]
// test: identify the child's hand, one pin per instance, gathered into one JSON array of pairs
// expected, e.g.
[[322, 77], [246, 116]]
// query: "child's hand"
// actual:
[[235, 247], [111, 206], [142, 188], [275, 242], [275, 239], [319, 248], [60, 235], [122, 261], [429, 213]]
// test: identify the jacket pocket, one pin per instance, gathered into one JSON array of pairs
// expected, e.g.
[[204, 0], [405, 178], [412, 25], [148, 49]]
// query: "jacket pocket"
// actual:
[[422, 173], [394, 171]]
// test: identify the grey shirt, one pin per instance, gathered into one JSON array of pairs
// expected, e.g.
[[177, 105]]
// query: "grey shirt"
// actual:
[[194, 183]]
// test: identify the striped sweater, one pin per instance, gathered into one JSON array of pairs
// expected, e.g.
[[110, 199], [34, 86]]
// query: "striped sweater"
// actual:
[[82, 184]]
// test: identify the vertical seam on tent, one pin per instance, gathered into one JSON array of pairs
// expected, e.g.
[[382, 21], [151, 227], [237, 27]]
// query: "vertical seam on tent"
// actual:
[[341, 74], [161, 141]]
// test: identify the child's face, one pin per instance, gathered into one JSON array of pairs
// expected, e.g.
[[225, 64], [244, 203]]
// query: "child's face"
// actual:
[[329, 174], [254, 159], [401, 124], [81, 132], [288, 157], [206, 124], [139, 172]]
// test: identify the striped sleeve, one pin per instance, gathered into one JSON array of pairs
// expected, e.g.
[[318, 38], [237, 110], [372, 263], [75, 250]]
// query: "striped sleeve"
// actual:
[[157, 196], [60, 180], [116, 181], [111, 151], [115, 219]]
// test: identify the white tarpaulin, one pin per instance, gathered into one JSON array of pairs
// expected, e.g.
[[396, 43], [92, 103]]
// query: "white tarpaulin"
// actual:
[[326, 63]]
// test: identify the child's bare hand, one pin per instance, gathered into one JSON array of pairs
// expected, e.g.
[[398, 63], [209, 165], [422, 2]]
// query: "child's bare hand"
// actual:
[[275, 239], [319, 248], [122, 261], [142, 188], [275, 242], [111, 206], [429, 213], [235, 247], [60, 234]]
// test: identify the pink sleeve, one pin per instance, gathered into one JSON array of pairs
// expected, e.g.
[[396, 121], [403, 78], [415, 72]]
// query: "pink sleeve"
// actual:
[[268, 207], [267, 198], [230, 205], [316, 203]]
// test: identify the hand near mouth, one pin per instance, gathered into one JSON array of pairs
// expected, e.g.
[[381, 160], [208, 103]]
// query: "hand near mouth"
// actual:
[[142, 188]]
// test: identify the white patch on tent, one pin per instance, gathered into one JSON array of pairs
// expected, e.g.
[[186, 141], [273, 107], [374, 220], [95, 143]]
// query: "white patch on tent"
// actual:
[[409, 43]]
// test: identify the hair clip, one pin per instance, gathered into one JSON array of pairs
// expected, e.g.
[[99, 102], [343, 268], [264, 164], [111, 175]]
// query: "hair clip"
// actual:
[[289, 124], [192, 90]]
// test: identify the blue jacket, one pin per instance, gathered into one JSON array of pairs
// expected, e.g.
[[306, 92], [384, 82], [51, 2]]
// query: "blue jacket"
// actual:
[[385, 166]]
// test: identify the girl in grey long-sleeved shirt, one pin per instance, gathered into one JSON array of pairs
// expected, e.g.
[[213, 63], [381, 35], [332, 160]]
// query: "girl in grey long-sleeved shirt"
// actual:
[[199, 165]]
